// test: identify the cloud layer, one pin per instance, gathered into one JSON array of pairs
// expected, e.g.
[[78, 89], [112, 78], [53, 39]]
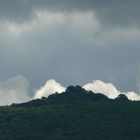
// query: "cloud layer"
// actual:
[[71, 41], [49, 88], [16, 90], [96, 86], [109, 90], [70, 47], [120, 12]]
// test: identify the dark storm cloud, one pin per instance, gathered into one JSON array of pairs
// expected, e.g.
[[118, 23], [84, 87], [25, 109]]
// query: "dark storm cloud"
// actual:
[[73, 41], [66, 54], [109, 12]]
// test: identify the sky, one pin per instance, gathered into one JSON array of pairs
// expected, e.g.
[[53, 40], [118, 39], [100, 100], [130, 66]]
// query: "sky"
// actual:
[[73, 42]]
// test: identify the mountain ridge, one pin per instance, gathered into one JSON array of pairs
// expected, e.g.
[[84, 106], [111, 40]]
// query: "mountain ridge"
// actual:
[[72, 93], [75, 114]]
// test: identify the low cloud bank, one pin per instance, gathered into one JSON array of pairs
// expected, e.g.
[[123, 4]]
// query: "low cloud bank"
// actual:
[[109, 90], [96, 86], [16, 90], [49, 88]]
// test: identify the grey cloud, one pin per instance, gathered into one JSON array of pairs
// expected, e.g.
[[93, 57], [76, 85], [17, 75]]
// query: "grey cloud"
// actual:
[[69, 53], [71, 58], [109, 12], [14, 90]]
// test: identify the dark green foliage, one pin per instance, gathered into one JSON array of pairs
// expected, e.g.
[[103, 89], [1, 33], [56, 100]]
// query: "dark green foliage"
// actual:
[[122, 97], [74, 115]]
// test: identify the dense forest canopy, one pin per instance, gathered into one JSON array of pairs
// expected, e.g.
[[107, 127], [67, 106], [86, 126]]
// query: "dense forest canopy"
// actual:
[[75, 114]]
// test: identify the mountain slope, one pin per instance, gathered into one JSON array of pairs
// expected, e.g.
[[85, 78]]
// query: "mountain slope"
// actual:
[[75, 114]]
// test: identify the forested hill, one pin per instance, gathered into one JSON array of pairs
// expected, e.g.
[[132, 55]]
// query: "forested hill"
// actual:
[[75, 114]]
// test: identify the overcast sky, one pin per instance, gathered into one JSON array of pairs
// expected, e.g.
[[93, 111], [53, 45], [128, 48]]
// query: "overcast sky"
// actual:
[[71, 41]]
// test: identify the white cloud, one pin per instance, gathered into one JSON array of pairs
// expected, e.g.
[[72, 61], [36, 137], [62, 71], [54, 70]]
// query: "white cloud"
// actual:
[[109, 90], [14, 90], [49, 88], [96, 86], [133, 96]]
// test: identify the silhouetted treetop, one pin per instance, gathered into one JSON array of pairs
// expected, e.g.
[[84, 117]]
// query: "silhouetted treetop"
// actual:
[[122, 97], [75, 90]]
